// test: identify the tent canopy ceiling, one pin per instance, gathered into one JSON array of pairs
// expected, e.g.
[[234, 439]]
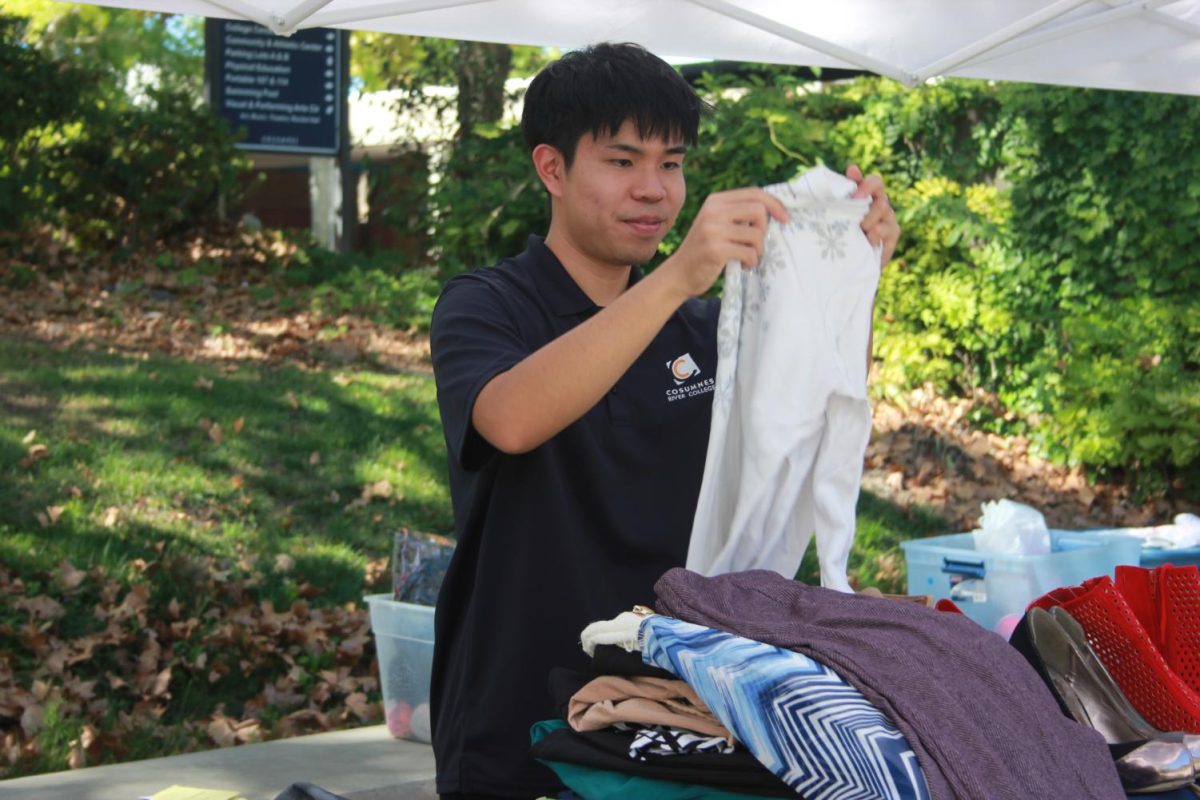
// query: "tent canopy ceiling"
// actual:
[[1149, 45]]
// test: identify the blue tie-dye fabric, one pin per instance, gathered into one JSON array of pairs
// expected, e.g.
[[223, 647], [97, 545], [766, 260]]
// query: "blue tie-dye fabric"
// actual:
[[798, 717]]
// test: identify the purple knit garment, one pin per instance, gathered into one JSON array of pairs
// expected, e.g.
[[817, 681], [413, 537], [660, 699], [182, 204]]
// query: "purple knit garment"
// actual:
[[982, 723]]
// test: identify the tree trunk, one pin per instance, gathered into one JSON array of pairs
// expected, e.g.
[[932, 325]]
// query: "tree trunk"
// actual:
[[482, 70]]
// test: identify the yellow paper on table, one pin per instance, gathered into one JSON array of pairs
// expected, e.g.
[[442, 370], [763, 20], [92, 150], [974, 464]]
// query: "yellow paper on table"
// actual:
[[194, 793]]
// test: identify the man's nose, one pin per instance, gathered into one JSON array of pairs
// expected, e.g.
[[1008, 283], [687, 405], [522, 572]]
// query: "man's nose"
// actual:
[[649, 186]]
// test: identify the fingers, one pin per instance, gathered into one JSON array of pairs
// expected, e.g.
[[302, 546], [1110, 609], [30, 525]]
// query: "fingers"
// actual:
[[756, 198], [885, 235], [855, 174], [776, 208], [735, 223], [737, 233], [880, 211], [871, 186], [880, 224]]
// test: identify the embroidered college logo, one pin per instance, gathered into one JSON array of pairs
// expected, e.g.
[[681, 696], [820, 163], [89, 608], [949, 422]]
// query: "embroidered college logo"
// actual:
[[683, 368]]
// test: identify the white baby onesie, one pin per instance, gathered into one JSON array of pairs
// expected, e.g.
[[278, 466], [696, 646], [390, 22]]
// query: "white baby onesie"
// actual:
[[790, 419]]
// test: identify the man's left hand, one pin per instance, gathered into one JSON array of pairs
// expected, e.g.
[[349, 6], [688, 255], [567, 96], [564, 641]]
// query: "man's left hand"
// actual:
[[880, 223]]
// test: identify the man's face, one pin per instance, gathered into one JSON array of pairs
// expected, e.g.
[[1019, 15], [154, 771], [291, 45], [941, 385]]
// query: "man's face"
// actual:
[[621, 195]]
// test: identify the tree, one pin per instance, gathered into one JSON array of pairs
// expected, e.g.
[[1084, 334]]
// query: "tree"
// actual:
[[40, 95], [412, 64], [121, 45], [482, 69]]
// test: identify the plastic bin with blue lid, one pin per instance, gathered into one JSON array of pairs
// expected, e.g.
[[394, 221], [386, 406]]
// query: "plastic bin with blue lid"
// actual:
[[1180, 556], [989, 585], [1150, 557]]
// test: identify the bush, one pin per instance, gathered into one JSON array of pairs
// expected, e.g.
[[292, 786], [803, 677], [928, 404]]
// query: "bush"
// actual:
[[758, 133], [1126, 391], [139, 174], [939, 316], [109, 171], [40, 97], [1108, 230], [404, 299], [1049, 252], [486, 202]]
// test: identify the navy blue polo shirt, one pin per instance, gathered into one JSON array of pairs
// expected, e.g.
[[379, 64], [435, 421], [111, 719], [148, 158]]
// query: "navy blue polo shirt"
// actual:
[[574, 531]]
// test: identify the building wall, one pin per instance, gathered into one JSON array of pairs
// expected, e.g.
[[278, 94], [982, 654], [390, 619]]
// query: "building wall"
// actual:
[[392, 187]]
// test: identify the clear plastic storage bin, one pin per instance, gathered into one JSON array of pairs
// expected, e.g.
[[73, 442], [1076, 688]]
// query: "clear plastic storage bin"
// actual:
[[987, 585], [1151, 557], [404, 643], [1181, 557]]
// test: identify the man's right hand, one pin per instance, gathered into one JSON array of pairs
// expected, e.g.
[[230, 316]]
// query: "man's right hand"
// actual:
[[731, 226]]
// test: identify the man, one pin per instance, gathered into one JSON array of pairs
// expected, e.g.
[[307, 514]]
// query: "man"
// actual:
[[575, 398]]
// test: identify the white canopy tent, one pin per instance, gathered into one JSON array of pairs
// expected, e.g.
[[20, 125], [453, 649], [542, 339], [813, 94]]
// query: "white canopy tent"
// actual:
[[1149, 45]]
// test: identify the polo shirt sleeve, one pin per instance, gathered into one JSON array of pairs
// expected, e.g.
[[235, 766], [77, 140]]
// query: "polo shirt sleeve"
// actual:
[[473, 338]]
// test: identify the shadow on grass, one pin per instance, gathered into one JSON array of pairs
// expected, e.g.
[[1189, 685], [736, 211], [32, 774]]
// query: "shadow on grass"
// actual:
[[217, 460], [244, 459]]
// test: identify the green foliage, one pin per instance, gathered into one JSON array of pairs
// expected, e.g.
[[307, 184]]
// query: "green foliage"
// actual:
[[401, 298], [941, 147], [1049, 256], [109, 170], [41, 96], [1108, 233], [486, 203], [396, 61], [1126, 390], [939, 315], [125, 47], [137, 174], [951, 128], [755, 135]]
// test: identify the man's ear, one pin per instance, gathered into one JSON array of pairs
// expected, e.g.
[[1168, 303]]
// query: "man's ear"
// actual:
[[551, 168]]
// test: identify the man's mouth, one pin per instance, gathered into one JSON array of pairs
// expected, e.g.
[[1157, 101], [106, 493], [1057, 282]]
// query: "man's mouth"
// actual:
[[645, 225]]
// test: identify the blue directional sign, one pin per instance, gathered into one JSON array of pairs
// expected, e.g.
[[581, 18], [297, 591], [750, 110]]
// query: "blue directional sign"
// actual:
[[286, 92]]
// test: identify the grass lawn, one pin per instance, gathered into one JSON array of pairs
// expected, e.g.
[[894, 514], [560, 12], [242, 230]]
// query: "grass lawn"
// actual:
[[181, 543], [184, 546], [236, 460]]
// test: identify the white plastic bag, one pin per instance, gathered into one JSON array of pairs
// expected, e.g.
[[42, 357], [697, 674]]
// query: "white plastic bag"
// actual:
[[1012, 529]]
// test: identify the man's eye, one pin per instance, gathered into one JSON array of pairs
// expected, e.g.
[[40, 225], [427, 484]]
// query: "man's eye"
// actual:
[[621, 162], [673, 165]]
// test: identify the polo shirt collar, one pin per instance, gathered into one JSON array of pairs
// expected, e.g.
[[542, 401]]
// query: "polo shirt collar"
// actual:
[[559, 289]]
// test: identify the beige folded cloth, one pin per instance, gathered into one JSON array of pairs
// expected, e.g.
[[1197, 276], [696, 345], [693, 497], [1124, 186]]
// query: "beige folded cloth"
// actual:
[[647, 701]]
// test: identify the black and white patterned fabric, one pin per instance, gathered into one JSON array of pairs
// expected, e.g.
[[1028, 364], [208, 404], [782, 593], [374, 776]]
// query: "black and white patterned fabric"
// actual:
[[658, 740]]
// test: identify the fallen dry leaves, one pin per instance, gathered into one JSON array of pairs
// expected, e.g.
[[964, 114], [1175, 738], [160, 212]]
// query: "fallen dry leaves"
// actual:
[[924, 451], [184, 626], [34, 454], [243, 312]]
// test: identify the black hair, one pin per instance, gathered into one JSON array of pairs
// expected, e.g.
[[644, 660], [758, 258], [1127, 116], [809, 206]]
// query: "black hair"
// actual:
[[595, 90]]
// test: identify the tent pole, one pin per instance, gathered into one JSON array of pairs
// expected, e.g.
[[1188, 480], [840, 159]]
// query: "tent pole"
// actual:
[[378, 10], [287, 22], [241, 10], [1171, 21], [1076, 26], [754, 20], [1005, 34]]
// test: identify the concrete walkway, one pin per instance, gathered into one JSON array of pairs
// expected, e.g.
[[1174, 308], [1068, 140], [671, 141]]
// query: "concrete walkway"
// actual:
[[361, 764]]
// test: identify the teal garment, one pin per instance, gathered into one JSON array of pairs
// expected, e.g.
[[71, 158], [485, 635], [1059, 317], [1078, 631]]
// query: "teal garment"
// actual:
[[602, 784]]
